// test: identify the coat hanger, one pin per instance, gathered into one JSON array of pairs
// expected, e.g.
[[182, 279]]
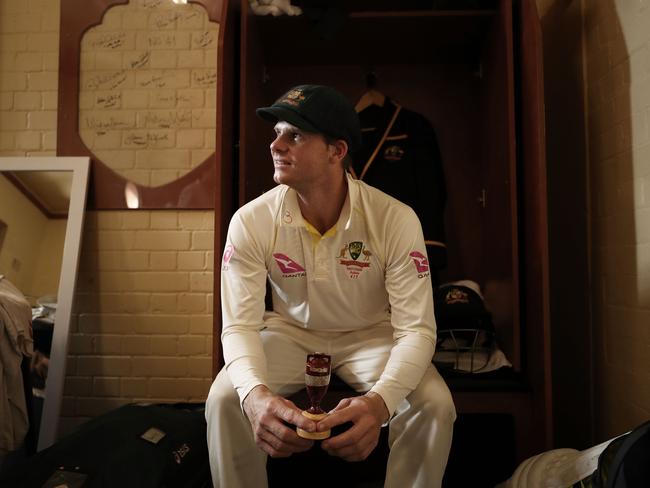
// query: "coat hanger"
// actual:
[[371, 96]]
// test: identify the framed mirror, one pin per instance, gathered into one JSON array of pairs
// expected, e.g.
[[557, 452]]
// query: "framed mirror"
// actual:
[[42, 204]]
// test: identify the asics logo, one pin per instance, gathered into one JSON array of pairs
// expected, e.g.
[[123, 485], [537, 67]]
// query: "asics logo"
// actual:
[[287, 265], [420, 260]]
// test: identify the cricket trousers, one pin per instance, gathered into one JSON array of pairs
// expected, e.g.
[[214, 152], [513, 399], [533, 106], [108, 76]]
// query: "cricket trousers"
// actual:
[[420, 430]]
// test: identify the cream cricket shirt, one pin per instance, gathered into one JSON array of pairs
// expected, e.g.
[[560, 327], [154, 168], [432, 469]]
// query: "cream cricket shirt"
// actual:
[[370, 269]]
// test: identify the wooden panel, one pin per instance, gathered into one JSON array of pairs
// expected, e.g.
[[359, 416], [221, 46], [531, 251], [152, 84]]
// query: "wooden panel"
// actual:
[[532, 166], [499, 246], [225, 200]]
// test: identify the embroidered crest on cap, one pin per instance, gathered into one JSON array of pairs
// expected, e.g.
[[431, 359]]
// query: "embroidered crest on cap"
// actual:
[[355, 249], [294, 97], [393, 153], [456, 295]]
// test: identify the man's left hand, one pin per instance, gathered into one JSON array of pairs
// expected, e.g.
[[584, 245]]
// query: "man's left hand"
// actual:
[[367, 414]]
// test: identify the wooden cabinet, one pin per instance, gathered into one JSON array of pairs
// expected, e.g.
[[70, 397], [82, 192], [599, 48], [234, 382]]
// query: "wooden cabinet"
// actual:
[[476, 76]]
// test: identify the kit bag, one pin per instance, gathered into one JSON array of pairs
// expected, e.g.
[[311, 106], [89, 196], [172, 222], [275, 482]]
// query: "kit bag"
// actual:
[[133, 446]]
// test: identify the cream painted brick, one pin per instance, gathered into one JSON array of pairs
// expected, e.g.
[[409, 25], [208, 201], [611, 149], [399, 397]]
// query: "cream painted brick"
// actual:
[[134, 387], [86, 302], [42, 120], [13, 81], [156, 159], [102, 140], [106, 324], [136, 220], [192, 261], [13, 42], [204, 78], [176, 388], [162, 324], [191, 346], [205, 40], [162, 240], [190, 139], [164, 302], [162, 261], [191, 98], [94, 407], [51, 63], [112, 19], [43, 42], [162, 99], [134, 20], [162, 177], [6, 101], [164, 220], [191, 303], [106, 387], [180, 78], [165, 119], [123, 303], [163, 40], [7, 140], [200, 367], [194, 20], [162, 366], [135, 98], [77, 386], [190, 59], [136, 345], [107, 240], [86, 100], [109, 220], [201, 324], [137, 176], [68, 408], [118, 159], [164, 346], [48, 142], [108, 60], [159, 281], [202, 240], [29, 61], [211, 59], [136, 60], [81, 344], [39, 154], [163, 59], [108, 344], [51, 22], [642, 219], [104, 366], [71, 365], [201, 282], [28, 140], [201, 155], [209, 259], [210, 139]]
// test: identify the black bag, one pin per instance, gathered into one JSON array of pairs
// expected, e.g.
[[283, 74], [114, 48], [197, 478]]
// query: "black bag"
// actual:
[[134, 446]]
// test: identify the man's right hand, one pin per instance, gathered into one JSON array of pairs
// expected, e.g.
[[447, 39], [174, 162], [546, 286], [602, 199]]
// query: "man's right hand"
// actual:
[[266, 413]]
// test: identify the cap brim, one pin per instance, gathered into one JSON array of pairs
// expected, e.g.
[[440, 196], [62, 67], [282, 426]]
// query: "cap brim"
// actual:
[[275, 114]]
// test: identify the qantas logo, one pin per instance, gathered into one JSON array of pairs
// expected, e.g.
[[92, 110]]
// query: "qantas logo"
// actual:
[[287, 265], [421, 263], [227, 254]]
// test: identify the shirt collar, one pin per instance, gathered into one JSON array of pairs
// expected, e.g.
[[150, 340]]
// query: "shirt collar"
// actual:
[[291, 216]]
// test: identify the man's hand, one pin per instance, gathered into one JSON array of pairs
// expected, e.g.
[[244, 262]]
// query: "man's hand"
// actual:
[[265, 412], [367, 413]]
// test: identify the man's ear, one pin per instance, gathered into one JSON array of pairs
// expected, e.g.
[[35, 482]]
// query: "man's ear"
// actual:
[[339, 149]]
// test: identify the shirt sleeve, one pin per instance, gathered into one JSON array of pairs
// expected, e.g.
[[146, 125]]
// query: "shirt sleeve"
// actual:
[[243, 287], [409, 288]]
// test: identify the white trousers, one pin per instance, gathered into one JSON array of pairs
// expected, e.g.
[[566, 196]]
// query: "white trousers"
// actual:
[[420, 431]]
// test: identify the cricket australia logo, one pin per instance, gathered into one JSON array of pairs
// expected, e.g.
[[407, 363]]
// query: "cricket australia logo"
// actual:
[[355, 250], [421, 263], [289, 268]]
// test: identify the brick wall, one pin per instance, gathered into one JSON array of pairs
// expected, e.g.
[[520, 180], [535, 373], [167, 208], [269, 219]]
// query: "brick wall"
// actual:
[[142, 322], [617, 72]]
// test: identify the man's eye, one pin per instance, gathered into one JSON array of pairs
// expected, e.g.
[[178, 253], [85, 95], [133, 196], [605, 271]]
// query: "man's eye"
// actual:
[[295, 136]]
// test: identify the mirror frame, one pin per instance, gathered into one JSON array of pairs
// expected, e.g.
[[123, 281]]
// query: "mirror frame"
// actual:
[[67, 280]]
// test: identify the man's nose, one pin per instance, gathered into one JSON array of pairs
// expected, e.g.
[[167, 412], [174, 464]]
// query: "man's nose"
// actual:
[[277, 145]]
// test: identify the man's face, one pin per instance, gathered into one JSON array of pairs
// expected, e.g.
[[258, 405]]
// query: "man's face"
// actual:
[[301, 159]]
